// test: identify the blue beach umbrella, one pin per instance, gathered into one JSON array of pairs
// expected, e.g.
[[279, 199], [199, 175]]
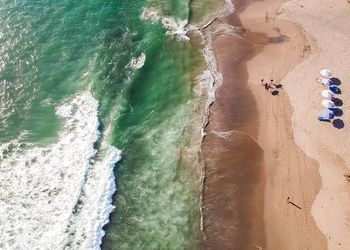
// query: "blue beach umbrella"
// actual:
[[327, 114], [335, 89]]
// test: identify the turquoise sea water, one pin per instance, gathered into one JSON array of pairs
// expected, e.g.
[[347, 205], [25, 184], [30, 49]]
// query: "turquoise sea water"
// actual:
[[70, 100]]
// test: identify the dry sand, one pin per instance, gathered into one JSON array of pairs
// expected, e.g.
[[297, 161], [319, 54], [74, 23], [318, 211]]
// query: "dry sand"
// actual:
[[327, 26], [303, 159], [289, 172]]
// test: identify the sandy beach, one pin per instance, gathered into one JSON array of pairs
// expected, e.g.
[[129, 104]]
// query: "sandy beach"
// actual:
[[276, 177]]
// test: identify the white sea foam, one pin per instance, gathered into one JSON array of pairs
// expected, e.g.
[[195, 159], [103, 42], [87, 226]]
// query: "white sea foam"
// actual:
[[211, 79], [137, 62], [226, 10], [58, 196], [174, 27], [150, 14], [222, 134]]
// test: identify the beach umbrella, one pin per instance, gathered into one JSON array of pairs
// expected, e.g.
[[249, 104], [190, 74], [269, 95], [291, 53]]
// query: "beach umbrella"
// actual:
[[328, 114], [326, 82], [327, 93], [326, 73], [328, 104], [335, 89]]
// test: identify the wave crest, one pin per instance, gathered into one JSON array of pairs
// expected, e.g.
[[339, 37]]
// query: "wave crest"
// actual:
[[58, 196], [174, 27], [137, 62]]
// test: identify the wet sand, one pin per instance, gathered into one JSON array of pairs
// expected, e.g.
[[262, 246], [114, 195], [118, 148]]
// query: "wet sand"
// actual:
[[252, 162], [234, 182]]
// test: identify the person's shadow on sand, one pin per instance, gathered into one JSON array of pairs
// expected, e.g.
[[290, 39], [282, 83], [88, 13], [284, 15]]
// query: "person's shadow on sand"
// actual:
[[338, 123], [278, 86]]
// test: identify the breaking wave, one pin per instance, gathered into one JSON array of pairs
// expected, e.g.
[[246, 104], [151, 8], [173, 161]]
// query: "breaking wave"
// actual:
[[137, 62], [58, 196], [174, 27]]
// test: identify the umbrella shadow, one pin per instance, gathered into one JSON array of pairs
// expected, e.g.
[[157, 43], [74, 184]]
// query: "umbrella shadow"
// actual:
[[338, 123], [337, 111], [335, 81], [337, 102]]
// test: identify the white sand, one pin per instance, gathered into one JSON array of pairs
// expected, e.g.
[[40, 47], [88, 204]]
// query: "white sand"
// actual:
[[326, 24]]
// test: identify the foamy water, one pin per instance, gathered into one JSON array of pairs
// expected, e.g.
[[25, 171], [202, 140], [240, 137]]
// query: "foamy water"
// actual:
[[174, 27], [137, 62], [60, 195]]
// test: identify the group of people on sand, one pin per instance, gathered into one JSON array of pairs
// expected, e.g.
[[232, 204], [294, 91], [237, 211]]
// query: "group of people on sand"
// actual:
[[269, 86]]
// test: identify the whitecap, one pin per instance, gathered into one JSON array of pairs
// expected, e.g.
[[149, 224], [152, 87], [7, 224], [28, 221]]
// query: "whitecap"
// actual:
[[57, 197], [150, 14], [174, 27], [137, 62]]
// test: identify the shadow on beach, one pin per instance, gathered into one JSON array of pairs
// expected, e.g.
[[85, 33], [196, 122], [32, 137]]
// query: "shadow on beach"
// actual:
[[335, 81], [337, 111], [338, 123], [337, 102], [275, 92]]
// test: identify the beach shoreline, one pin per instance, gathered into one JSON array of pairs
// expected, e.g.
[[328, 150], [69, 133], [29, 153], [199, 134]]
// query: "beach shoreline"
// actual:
[[264, 39], [229, 141]]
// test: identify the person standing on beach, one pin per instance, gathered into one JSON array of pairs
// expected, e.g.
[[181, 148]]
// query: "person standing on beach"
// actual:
[[267, 87]]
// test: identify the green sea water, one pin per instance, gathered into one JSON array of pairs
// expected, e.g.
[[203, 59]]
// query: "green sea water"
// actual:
[[50, 51]]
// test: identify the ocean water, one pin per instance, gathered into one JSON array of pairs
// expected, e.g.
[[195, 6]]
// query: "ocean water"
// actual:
[[100, 115]]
